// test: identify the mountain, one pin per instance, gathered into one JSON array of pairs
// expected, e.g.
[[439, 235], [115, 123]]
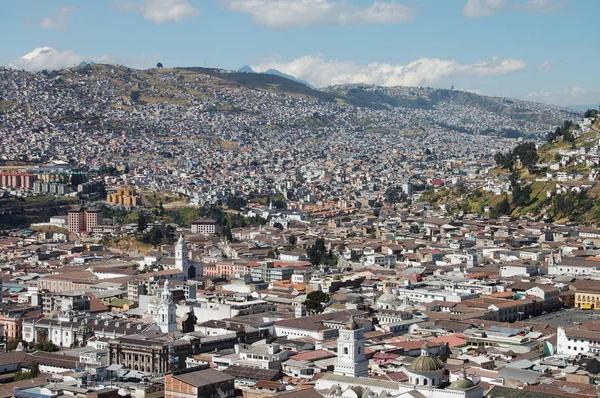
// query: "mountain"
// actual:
[[248, 69], [294, 105], [583, 108]]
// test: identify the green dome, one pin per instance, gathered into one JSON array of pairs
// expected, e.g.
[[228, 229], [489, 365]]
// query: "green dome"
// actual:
[[461, 384], [426, 364]]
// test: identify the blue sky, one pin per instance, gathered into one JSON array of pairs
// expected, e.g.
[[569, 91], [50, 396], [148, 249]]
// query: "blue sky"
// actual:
[[542, 50]]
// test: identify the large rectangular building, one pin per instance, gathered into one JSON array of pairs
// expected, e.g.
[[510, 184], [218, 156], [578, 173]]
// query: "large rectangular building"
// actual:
[[84, 220], [17, 180]]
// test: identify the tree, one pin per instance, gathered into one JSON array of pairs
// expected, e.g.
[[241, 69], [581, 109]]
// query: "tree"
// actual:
[[34, 369], [142, 222], [527, 154], [505, 160], [292, 240], [503, 207], [159, 65], [591, 113], [394, 194], [46, 346], [11, 345], [315, 300], [134, 96], [316, 252]]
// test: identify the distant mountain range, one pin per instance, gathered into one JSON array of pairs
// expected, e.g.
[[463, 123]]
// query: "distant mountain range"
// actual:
[[248, 69], [583, 108]]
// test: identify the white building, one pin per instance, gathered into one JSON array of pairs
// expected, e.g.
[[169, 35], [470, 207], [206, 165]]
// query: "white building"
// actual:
[[351, 352], [167, 320]]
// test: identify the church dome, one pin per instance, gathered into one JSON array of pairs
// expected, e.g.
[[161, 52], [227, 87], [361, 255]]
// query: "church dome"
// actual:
[[388, 298], [351, 325], [426, 363], [461, 384]]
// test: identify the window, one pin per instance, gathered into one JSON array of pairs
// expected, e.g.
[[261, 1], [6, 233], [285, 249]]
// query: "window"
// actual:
[[359, 350], [424, 382], [345, 350]]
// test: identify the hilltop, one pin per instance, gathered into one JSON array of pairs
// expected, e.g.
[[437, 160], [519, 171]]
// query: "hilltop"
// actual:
[[372, 108]]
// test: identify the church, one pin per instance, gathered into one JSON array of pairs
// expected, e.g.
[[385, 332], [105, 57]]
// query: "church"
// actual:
[[425, 374]]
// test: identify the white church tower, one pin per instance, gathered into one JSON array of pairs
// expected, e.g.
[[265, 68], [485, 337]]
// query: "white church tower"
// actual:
[[181, 256], [351, 352], [167, 320]]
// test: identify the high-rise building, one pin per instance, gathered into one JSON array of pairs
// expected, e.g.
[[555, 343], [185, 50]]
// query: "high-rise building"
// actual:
[[17, 180], [84, 220]]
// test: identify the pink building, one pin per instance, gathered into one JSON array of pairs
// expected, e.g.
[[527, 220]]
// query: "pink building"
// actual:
[[17, 179], [226, 269]]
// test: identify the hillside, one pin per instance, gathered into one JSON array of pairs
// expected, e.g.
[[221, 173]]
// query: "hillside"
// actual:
[[562, 187], [267, 99], [464, 107]]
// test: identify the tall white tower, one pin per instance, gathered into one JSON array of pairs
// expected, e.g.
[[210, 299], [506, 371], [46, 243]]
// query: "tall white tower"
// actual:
[[351, 352], [167, 320], [181, 256]]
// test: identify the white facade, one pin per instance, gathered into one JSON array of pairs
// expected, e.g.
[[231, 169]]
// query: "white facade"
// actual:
[[518, 270], [577, 344], [351, 352], [181, 256], [167, 321]]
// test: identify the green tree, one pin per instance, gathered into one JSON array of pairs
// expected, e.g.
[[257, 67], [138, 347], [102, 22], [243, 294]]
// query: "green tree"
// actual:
[[503, 207], [47, 346], [11, 345], [159, 65], [315, 301], [135, 96], [527, 154], [292, 240], [142, 222], [316, 252]]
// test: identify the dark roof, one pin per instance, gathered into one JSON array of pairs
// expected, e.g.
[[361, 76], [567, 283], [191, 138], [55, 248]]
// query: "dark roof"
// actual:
[[304, 393], [245, 372], [54, 359], [203, 377], [506, 392], [12, 357]]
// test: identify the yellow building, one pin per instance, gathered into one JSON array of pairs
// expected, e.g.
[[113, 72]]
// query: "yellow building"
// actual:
[[125, 196], [587, 299]]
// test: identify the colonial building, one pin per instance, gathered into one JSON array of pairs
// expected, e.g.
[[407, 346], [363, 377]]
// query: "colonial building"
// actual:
[[204, 226], [199, 382], [150, 352], [351, 351]]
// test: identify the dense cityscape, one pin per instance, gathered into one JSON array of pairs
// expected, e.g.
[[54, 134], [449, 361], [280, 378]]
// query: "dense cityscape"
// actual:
[[392, 199]]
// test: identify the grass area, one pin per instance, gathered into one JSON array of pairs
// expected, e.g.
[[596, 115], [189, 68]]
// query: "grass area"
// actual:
[[127, 244]]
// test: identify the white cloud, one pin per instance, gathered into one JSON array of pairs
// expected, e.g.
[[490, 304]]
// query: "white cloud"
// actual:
[[546, 66], [487, 8], [295, 13], [58, 19], [424, 71], [49, 58], [482, 8], [541, 6], [161, 11], [567, 96]]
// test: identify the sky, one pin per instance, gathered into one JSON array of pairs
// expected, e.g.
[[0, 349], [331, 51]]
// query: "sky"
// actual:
[[539, 50]]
